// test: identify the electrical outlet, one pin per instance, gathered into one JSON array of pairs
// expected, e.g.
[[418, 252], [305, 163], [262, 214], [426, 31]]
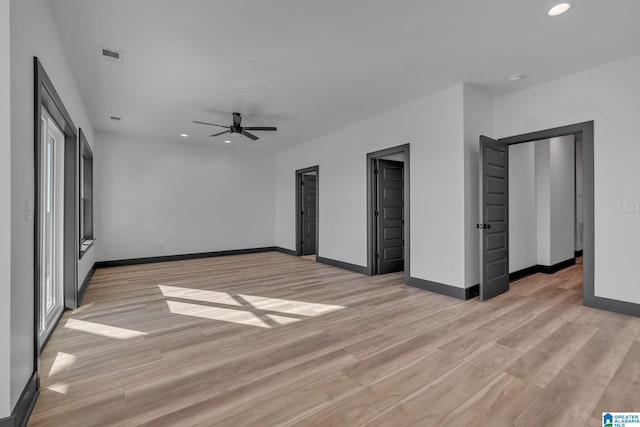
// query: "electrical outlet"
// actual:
[[161, 245], [452, 268]]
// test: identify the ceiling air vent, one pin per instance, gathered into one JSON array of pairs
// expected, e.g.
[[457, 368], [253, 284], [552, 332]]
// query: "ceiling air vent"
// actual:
[[116, 118], [111, 53]]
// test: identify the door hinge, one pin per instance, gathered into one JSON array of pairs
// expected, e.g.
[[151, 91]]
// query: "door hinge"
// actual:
[[377, 256], [375, 171], [301, 212], [376, 213]]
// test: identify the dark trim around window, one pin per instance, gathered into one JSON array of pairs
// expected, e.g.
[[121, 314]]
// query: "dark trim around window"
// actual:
[[85, 205], [46, 97]]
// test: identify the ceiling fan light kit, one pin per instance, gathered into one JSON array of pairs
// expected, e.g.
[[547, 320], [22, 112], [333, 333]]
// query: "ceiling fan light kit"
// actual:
[[237, 128]]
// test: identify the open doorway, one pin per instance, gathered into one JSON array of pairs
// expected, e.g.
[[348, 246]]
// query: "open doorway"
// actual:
[[495, 205], [545, 204], [388, 210], [307, 203]]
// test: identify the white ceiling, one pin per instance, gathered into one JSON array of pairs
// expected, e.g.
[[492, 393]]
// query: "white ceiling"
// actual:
[[313, 66]]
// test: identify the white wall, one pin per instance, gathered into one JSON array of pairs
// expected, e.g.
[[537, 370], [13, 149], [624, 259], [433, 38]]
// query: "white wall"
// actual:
[[478, 120], [33, 33], [543, 201], [522, 207], [563, 214], [5, 210], [555, 199], [609, 96], [434, 128], [158, 198]]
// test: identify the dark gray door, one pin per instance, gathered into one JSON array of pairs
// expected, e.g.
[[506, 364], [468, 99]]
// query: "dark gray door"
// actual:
[[494, 215], [389, 216], [309, 214]]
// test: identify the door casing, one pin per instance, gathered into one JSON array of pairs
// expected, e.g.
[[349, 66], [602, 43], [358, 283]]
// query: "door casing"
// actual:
[[298, 187], [586, 131], [371, 223]]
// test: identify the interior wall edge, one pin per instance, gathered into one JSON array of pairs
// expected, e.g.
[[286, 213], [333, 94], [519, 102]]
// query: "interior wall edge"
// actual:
[[5, 209]]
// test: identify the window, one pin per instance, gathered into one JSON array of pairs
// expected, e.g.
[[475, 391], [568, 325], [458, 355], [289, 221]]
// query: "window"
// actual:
[[51, 222], [86, 195]]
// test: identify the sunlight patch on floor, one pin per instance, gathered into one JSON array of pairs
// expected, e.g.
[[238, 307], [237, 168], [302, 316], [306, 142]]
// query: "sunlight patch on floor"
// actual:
[[216, 313], [102, 330], [83, 307], [62, 388], [282, 320], [198, 295], [251, 310], [303, 308], [62, 363]]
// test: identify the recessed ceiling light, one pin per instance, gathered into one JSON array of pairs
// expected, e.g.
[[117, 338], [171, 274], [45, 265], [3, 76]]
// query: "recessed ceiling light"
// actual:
[[227, 142], [184, 135], [559, 9], [515, 77]]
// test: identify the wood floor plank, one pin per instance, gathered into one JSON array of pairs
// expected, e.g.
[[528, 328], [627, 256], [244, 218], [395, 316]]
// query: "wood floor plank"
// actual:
[[623, 393], [270, 339], [540, 365], [594, 422], [234, 402], [278, 410], [437, 400], [570, 398], [531, 333], [498, 404], [367, 402]]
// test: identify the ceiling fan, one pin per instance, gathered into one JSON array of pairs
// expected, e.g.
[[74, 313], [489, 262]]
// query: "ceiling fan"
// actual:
[[237, 127]]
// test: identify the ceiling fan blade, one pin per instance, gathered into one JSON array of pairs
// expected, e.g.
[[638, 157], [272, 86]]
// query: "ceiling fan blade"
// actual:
[[271, 128], [221, 133], [211, 124], [249, 135]]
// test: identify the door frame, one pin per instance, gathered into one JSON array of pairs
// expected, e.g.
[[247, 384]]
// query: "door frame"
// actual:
[[405, 150], [586, 130], [298, 187], [46, 97]]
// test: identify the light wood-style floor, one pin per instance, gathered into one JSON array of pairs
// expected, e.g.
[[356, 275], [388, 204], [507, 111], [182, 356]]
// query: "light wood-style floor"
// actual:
[[269, 339]]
